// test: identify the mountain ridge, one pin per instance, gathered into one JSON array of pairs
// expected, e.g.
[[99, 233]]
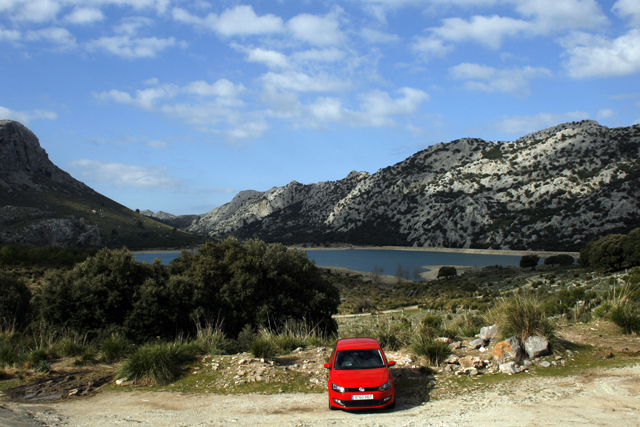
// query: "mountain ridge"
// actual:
[[554, 189]]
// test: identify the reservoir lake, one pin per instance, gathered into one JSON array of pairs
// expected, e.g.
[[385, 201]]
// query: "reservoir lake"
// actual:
[[365, 260]]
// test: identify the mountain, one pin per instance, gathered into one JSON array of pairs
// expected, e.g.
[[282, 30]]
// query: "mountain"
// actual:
[[179, 221], [40, 204], [554, 189]]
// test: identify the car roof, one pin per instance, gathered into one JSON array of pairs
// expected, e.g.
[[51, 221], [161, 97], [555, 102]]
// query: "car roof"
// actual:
[[356, 343]]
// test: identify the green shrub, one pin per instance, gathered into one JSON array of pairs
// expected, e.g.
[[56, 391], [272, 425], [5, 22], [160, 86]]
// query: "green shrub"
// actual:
[[627, 317], [211, 338], [15, 306], [434, 350], [68, 347], [432, 321], [156, 363], [114, 348], [523, 316], [263, 348]]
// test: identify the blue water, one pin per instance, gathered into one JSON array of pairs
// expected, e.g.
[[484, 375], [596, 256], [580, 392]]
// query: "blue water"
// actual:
[[366, 260]]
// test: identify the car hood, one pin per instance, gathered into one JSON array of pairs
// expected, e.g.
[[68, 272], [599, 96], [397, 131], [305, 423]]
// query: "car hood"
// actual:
[[351, 378]]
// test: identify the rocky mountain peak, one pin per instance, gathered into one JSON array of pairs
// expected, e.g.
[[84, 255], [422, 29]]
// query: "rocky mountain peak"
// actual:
[[23, 161]]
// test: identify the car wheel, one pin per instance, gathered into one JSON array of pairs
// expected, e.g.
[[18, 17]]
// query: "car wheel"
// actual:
[[331, 407]]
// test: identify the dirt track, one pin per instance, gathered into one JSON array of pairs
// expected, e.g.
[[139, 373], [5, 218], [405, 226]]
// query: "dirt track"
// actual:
[[596, 398]]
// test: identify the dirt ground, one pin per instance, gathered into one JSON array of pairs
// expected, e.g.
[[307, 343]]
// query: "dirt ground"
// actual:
[[596, 398]]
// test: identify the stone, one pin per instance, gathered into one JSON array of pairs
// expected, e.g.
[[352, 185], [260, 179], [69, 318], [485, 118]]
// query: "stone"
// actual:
[[488, 333], [508, 351], [545, 364], [455, 345], [466, 362], [452, 359], [445, 340], [536, 346], [510, 368], [476, 344]]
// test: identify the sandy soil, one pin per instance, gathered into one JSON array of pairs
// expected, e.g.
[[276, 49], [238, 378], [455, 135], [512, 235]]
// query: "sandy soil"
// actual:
[[595, 398]]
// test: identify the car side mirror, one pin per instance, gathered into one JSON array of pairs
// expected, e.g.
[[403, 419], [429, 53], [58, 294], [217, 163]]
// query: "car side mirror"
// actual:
[[392, 363], [326, 365]]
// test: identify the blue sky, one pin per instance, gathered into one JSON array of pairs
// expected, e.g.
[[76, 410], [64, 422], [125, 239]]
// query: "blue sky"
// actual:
[[177, 105]]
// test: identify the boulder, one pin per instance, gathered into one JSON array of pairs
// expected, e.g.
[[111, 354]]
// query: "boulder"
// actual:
[[488, 333], [508, 351], [536, 346], [510, 368], [476, 344], [455, 345], [467, 362]]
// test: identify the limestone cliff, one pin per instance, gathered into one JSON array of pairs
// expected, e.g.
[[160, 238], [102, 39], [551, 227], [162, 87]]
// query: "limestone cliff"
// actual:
[[553, 189]]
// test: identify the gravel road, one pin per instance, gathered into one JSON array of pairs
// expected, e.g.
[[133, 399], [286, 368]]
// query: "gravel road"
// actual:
[[595, 398]]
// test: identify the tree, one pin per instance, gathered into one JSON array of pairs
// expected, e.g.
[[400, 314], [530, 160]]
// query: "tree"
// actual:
[[562, 259], [529, 261], [447, 272], [15, 308]]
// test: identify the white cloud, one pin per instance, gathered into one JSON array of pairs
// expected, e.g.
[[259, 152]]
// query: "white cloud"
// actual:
[[84, 15], [376, 109], [375, 36], [489, 79], [606, 114], [520, 125], [59, 36], [489, 31], [628, 9], [145, 98], [301, 82], [26, 116], [316, 30], [239, 21], [324, 55], [597, 56], [159, 145], [379, 103], [222, 88], [121, 175], [552, 16], [10, 35], [130, 47], [270, 58], [428, 47]]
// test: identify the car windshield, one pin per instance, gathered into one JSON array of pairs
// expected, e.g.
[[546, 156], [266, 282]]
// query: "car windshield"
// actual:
[[359, 359]]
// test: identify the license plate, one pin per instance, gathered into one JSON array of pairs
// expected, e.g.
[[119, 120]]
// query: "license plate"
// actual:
[[362, 397]]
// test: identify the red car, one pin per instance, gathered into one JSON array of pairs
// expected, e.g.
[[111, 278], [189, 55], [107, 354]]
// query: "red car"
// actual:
[[359, 375]]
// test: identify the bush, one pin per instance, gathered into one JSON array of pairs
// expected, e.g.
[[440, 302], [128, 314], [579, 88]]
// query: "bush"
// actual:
[[447, 272], [156, 363], [523, 316], [263, 348], [114, 348], [435, 351], [529, 261], [68, 347], [627, 317], [15, 306]]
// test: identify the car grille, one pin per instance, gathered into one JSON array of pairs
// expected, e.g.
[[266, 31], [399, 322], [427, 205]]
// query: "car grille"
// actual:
[[357, 390], [362, 403]]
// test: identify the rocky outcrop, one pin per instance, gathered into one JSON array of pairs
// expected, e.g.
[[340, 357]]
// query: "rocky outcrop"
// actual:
[[56, 232], [24, 163], [554, 189]]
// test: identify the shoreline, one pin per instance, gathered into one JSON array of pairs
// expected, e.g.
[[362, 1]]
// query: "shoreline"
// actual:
[[452, 250]]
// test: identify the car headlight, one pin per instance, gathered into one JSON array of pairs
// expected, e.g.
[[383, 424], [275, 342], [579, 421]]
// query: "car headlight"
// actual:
[[337, 388], [385, 386]]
